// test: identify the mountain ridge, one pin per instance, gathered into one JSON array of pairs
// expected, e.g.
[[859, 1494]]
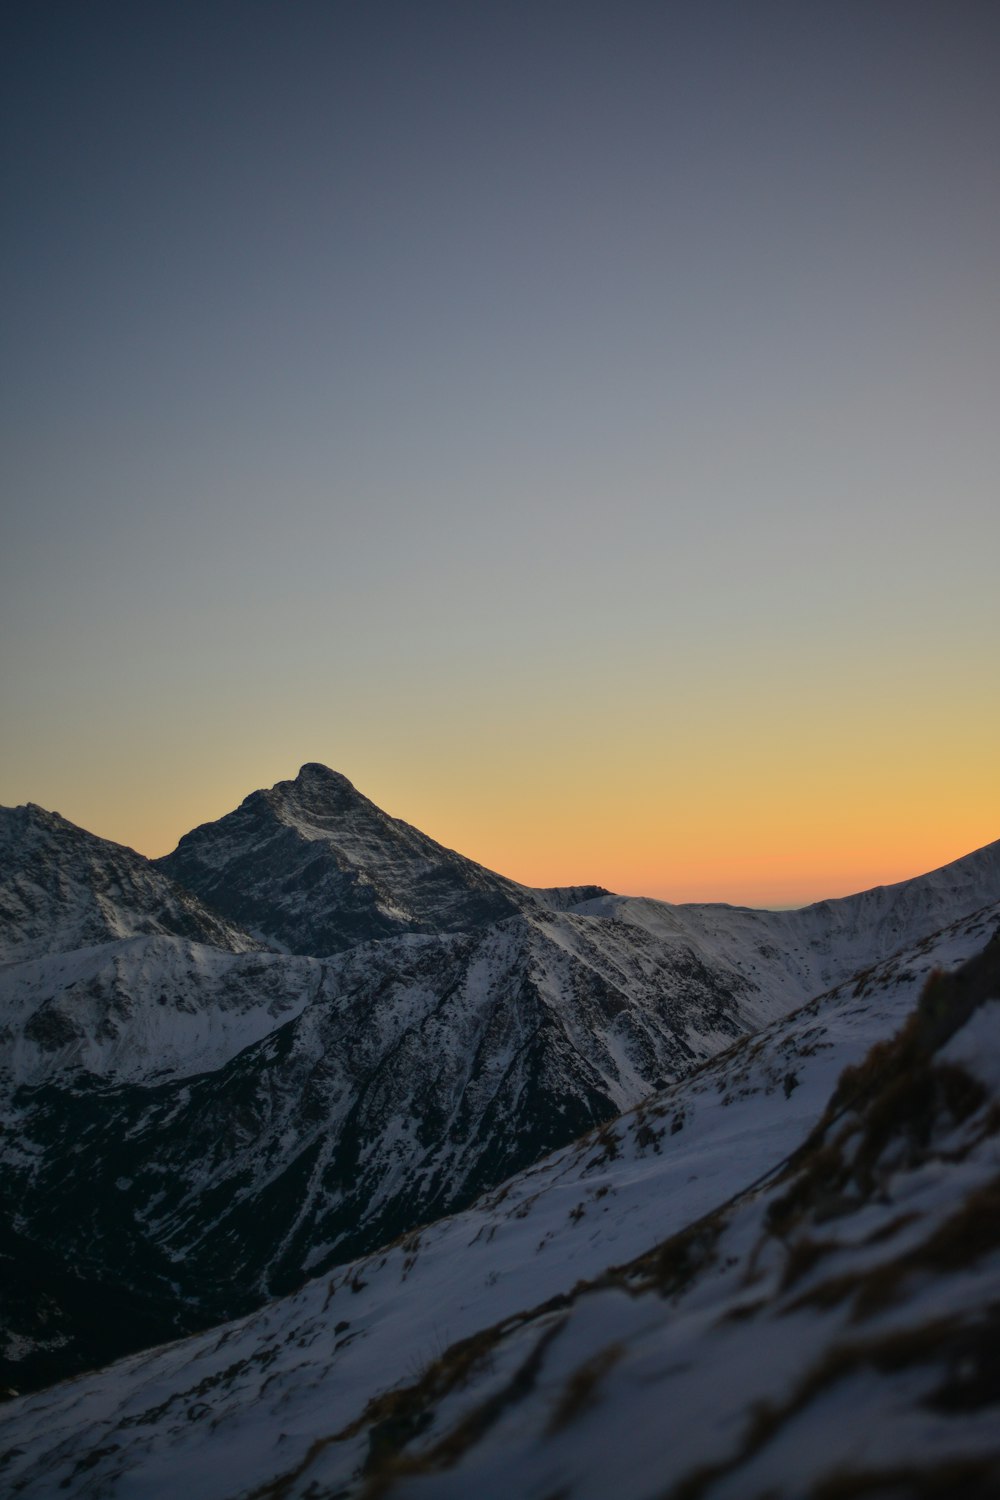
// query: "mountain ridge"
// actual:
[[213, 1121], [316, 867], [63, 888]]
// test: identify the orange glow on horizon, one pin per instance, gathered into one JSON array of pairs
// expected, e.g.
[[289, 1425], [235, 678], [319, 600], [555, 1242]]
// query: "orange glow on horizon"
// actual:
[[777, 858], [777, 799]]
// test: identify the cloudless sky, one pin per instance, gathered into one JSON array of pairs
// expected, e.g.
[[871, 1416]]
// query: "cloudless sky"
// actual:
[[576, 422]]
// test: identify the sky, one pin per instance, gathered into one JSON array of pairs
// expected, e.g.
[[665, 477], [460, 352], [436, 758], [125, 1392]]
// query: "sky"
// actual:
[[575, 422]]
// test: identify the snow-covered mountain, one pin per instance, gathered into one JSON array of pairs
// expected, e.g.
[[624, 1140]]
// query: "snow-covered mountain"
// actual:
[[208, 1128], [199, 1126], [62, 889], [775, 1277], [314, 867], [822, 942]]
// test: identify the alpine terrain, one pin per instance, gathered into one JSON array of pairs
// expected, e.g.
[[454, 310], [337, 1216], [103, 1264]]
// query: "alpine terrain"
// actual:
[[488, 1176]]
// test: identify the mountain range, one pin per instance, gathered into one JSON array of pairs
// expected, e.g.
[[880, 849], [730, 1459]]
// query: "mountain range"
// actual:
[[310, 1033]]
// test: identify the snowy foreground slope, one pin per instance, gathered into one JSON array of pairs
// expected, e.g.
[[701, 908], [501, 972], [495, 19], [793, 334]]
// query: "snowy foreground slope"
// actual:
[[761, 1281], [191, 1124]]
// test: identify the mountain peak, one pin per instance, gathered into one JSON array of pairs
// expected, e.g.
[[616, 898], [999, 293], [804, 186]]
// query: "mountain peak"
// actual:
[[318, 799], [317, 777], [16, 821], [313, 865], [315, 770]]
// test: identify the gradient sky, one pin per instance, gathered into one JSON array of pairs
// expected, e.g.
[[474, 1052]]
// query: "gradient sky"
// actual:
[[577, 423]]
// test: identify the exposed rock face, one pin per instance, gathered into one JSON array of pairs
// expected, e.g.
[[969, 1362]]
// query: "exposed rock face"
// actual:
[[314, 867]]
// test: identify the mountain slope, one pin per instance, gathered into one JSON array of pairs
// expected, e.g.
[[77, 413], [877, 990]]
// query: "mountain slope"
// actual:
[[833, 1333], [398, 1081], [815, 946], [502, 1352], [142, 1010], [62, 888]]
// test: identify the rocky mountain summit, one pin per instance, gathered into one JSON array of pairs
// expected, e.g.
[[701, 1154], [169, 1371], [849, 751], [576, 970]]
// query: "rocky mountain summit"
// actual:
[[314, 867]]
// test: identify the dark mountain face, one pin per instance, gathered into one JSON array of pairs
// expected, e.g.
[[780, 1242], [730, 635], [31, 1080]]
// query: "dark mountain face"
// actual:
[[314, 867]]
